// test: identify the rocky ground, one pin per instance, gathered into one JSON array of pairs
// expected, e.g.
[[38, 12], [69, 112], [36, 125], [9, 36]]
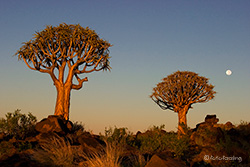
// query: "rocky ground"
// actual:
[[209, 144]]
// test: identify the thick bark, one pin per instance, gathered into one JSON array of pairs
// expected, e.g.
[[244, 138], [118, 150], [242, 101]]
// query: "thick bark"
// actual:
[[63, 101], [182, 117]]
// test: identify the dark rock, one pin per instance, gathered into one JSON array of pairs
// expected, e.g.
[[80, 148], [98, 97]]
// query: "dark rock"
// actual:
[[7, 150], [233, 133], [31, 139], [229, 125], [45, 136], [207, 134], [241, 155], [19, 160], [2, 135], [215, 141], [211, 119], [138, 133], [54, 123], [69, 125], [210, 156], [156, 161], [164, 160], [13, 140], [88, 140]]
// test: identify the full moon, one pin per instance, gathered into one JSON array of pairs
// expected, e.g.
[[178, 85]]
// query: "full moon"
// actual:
[[228, 72]]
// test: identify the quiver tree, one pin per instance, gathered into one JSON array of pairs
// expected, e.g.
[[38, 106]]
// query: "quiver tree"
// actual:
[[179, 91], [65, 52]]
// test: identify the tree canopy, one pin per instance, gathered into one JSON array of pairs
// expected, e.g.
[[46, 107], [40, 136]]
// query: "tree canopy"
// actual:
[[65, 52], [182, 88], [79, 48]]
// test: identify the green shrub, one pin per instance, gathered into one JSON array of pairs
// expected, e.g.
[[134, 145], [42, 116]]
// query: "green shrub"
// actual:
[[156, 140], [18, 125], [119, 135], [153, 140], [178, 145], [244, 128]]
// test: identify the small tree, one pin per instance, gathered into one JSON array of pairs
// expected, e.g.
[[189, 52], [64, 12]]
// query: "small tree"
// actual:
[[179, 91], [65, 52]]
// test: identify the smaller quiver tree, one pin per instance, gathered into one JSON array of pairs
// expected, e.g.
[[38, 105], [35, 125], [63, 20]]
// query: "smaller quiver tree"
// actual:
[[65, 52], [179, 91]]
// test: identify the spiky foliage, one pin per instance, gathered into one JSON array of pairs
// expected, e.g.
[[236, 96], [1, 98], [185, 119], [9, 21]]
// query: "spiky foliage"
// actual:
[[180, 90], [66, 48]]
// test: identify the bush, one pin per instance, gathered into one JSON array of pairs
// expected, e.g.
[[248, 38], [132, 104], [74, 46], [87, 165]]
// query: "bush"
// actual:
[[244, 128], [152, 141], [18, 125], [119, 135], [178, 145], [156, 140]]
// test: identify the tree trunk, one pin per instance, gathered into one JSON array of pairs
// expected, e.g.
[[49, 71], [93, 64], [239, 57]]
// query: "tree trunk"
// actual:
[[63, 100], [182, 116]]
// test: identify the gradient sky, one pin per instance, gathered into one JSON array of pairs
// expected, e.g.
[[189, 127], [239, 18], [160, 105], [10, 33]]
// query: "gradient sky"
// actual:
[[151, 39]]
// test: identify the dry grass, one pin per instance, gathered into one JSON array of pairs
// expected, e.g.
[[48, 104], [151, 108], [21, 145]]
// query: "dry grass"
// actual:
[[138, 160], [108, 156], [55, 151]]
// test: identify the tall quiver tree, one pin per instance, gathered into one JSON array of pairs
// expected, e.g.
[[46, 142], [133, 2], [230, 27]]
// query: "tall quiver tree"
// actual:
[[65, 52], [179, 91]]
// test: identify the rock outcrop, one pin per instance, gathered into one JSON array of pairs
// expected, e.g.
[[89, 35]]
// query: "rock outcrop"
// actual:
[[54, 123], [164, 160]]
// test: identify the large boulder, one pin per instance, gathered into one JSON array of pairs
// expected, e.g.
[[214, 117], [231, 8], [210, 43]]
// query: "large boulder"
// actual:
[[164, 160], [211, 119], [206, 134], [20, 160], [86, 139], [54, 123]]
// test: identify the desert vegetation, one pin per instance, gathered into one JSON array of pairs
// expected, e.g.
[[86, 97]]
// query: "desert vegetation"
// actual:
[[68, 144], [67, 51]]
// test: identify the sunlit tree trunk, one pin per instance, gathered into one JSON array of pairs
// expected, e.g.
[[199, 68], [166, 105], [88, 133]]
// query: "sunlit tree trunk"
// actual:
[[63, 101], [63, 92], [182, 117]]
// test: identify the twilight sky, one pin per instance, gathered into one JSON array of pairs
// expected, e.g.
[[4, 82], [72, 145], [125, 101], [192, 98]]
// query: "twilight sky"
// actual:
[[151, 39]]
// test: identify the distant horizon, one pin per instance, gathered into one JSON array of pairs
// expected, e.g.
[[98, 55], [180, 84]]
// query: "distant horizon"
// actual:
[[131, 129]]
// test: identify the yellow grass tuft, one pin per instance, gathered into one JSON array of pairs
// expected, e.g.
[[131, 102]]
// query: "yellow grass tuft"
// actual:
[[108, 156], [55, 151]]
